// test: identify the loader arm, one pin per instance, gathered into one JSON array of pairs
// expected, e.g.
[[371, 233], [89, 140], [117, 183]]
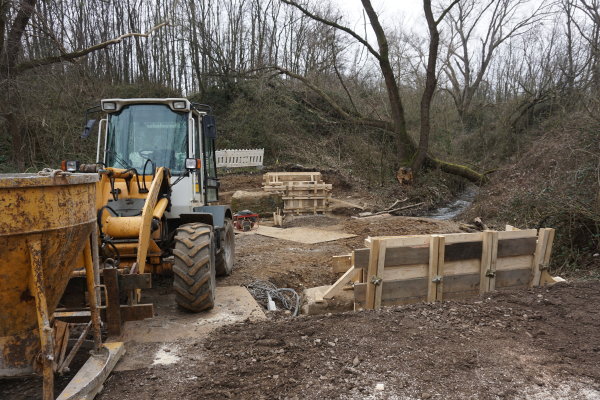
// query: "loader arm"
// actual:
[[145, 235]]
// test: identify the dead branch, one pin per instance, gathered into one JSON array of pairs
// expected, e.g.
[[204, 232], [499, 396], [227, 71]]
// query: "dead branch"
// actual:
[[19, 68]]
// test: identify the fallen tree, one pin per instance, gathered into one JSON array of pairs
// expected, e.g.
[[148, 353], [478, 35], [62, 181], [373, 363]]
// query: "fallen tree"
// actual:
[[409, 153]]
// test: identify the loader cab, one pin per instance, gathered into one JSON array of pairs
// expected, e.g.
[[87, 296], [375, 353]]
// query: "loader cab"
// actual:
[[148, 133]]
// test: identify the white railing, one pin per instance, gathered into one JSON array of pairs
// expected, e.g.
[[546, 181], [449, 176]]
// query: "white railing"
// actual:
[[236, 158]]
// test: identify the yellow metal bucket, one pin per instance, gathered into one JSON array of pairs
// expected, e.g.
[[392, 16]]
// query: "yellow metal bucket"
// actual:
[[45, 222]]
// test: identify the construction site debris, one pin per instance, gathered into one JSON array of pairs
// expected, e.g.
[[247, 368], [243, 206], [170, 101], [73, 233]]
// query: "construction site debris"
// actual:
[[268, 295], [302, 192]]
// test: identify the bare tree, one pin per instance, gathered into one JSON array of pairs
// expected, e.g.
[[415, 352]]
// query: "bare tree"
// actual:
[[477, 31], [13, 64]]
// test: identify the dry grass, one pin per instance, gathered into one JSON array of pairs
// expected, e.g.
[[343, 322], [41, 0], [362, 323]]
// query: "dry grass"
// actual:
[[555, 183]]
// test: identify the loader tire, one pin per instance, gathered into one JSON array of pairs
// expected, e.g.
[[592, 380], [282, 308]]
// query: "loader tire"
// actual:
[[194, 279], [225, 257]]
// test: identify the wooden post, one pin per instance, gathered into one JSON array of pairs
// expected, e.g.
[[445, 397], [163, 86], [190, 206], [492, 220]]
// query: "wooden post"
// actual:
[[374, 245], [493, 261], [486, 258], [489, 257], [434, 251], [113, 306], [544, 274], [380, 268], [540, 255], [440, 268]]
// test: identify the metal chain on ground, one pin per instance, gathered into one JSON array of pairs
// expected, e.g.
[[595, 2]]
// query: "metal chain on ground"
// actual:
[[286, 298], [53, 172]]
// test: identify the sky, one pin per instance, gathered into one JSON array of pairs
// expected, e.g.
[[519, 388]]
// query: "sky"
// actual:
[[391, 12]]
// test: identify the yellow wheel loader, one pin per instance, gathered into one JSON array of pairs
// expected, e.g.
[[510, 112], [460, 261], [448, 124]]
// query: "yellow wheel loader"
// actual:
[[156, 196]]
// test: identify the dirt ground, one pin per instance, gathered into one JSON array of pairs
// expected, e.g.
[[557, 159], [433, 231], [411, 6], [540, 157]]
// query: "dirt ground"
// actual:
[[298, 266], [536, 344]]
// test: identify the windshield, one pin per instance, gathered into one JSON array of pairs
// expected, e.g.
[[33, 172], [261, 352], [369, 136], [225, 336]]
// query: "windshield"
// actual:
[[147, 131]]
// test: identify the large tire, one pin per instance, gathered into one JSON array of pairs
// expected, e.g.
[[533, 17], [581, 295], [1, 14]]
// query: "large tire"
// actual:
[[225, 257], [194, 268]]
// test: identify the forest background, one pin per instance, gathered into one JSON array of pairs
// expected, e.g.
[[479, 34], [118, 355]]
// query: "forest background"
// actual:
[[503, 94]]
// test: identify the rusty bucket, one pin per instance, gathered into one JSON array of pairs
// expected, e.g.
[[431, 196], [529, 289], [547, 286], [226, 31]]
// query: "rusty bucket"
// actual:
[[45, 223]]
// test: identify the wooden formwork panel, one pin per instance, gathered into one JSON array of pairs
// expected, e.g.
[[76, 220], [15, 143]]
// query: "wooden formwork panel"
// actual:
[[401, 270]]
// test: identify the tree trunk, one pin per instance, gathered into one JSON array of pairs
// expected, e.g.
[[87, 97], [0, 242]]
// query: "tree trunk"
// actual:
[[430, 85]]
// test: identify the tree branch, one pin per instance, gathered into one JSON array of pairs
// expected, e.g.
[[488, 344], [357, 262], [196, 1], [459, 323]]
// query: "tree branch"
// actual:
[[19, 68], [334, 25]]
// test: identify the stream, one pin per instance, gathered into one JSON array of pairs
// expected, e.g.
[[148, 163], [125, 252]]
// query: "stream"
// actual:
[[460, 204]]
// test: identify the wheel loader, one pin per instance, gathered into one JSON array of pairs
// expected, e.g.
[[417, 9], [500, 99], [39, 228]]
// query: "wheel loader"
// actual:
[[156, 195]]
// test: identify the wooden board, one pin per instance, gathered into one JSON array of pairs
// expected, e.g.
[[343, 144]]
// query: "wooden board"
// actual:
[[463, 251], [395, 292], [337, 287], [341, 264], [516, 278], [516, 247], [302, 234], [456, 286]]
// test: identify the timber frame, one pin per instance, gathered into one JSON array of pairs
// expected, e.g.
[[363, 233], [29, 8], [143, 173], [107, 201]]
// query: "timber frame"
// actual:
[[395, 270]]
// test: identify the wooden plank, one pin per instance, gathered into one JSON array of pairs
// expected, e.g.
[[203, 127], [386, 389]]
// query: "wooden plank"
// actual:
[[463, 251], [396, 256], [380, 269], [440, 269], [486, 258], [462, 267], [540, 253], [434, 249], [337, 287], [516, 278], [465, 285], [510, 263], [519, 234], [516, 247], [135, 281], [113, 310], [361, 258], [341, 264], [372, 273], [405, 272], [493, 261], [395, 292], [452, 238], [399, 241]]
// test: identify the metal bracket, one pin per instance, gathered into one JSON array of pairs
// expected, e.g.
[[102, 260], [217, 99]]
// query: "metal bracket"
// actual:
[[490, 274], [375, 280], [437, 279]]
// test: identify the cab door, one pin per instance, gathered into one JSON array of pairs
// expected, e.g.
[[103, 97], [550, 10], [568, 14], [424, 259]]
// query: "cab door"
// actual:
[[211, 182]]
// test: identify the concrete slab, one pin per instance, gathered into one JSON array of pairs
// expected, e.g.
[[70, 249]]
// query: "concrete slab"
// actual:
[[152, 341]]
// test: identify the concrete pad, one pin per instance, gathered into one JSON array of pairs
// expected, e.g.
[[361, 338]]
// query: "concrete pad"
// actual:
[[151, 341], [302, 234]]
